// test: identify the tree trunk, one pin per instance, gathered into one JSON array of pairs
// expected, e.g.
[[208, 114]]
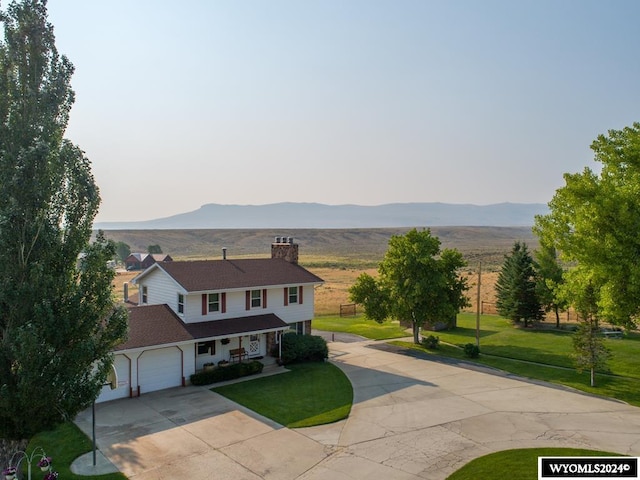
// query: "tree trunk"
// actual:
[[593, 377], [416, 332], [557, 316], [8, 448]]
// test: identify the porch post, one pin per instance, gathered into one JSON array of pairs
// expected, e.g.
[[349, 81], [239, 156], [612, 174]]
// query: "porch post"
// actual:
[[240, 349]]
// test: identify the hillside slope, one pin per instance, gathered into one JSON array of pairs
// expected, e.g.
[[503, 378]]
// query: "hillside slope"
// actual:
[[315, 215], [346, 246]]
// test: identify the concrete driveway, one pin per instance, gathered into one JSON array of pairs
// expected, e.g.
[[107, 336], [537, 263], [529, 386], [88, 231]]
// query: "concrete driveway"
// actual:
[[411, 419]]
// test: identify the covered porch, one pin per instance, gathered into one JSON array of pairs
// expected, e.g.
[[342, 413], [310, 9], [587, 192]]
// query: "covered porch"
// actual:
[[220, 342]]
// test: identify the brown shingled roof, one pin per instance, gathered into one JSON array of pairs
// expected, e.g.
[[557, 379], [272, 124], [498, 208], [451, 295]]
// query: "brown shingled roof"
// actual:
[[235, 326], [203, 275], [151, 325], [154, 325]]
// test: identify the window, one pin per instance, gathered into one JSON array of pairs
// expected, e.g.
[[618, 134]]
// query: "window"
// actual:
[[180, 303], [207, 348], [144, 294], [256, 298], [213, 302], [297, 327], [293, 295]]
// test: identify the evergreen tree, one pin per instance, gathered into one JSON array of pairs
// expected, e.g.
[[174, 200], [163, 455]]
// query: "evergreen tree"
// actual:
[[58, 321], [516, 296]]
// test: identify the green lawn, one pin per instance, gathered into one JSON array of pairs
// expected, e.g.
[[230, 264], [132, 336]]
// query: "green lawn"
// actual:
[[521, 464], [64, 444], [310, 394], [512, 349], [359, 325]]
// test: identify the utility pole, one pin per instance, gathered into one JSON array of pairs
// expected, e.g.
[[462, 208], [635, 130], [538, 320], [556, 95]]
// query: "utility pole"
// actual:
[[478, 306]]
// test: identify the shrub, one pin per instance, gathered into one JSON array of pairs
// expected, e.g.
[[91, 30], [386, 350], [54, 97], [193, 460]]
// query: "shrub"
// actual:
[[222, 374], [303, 348], [431, 342], [471, 350]]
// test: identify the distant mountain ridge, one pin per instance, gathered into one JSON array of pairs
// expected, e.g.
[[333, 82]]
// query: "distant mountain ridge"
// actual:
[[317, 215]]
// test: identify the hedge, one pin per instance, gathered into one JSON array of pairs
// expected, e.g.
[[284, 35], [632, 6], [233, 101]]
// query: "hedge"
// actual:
[[230, 372], [303, 348]]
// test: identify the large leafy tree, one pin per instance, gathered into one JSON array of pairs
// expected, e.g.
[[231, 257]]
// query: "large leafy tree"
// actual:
[[418, 283], [516, 296], [594, 222], [58, 320], [549, 278]]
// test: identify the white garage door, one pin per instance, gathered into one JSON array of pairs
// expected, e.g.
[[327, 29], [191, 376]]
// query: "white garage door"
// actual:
[[159, 369], [121, 364]]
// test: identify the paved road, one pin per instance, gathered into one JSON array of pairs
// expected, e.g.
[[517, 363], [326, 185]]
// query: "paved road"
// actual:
[[412, 419]]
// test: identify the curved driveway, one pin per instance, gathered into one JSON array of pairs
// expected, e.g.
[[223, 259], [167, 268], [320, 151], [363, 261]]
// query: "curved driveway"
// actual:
[[411, 419]]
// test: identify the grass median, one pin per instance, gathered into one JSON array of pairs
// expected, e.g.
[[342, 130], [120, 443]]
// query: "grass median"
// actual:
[[309, 394]]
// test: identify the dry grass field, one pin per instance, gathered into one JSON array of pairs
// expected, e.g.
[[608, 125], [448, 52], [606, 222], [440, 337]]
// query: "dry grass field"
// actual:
[[336, 256]]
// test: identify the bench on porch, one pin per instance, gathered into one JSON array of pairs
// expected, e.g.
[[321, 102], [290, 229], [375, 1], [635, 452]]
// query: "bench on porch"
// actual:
[[237, 354]]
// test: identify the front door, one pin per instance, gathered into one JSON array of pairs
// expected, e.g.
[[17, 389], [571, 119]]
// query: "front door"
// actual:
[[254, 346]]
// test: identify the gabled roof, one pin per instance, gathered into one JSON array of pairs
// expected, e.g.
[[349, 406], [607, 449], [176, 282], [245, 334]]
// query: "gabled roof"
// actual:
[[154, 325], [206, 275]]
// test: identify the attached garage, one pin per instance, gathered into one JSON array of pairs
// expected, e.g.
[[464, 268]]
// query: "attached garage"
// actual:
[[122, 365], [159, 369]]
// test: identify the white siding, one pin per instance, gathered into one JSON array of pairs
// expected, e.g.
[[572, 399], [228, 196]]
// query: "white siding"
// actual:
[[160, 289], [236, 306], [122, 365]]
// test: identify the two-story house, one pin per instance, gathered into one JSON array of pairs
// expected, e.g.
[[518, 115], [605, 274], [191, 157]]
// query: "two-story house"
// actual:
[[194, 313]]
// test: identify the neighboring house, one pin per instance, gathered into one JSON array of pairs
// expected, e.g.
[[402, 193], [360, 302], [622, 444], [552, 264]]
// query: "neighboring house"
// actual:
[[140, 261], [196, 312]]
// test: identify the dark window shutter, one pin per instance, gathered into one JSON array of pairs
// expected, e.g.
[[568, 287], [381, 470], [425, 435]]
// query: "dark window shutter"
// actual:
[[264, 298], [223, 301], [300, 294], [286, 296], [247, 302], [204, 303]]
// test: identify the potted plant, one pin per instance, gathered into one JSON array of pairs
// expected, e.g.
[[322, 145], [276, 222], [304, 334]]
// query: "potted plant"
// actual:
[[224, 341], [223, 363], [51, 476], [9, 473], [45, 463], [208, 366]]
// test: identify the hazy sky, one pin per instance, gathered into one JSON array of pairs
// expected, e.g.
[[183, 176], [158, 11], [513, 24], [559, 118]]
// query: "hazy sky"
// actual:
[[185, 103]]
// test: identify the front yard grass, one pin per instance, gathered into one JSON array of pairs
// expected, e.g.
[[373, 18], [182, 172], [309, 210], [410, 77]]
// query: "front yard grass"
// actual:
[[310, 394], [519, 463], [360, 325], [64, 444], [543, 355]]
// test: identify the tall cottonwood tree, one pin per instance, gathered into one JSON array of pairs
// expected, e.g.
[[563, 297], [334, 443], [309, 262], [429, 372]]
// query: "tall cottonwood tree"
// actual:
[[593, 223], [58, 320], [418, 283]]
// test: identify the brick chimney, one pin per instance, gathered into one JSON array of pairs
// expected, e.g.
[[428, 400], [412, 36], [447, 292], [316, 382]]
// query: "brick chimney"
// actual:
[[283, 247]]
